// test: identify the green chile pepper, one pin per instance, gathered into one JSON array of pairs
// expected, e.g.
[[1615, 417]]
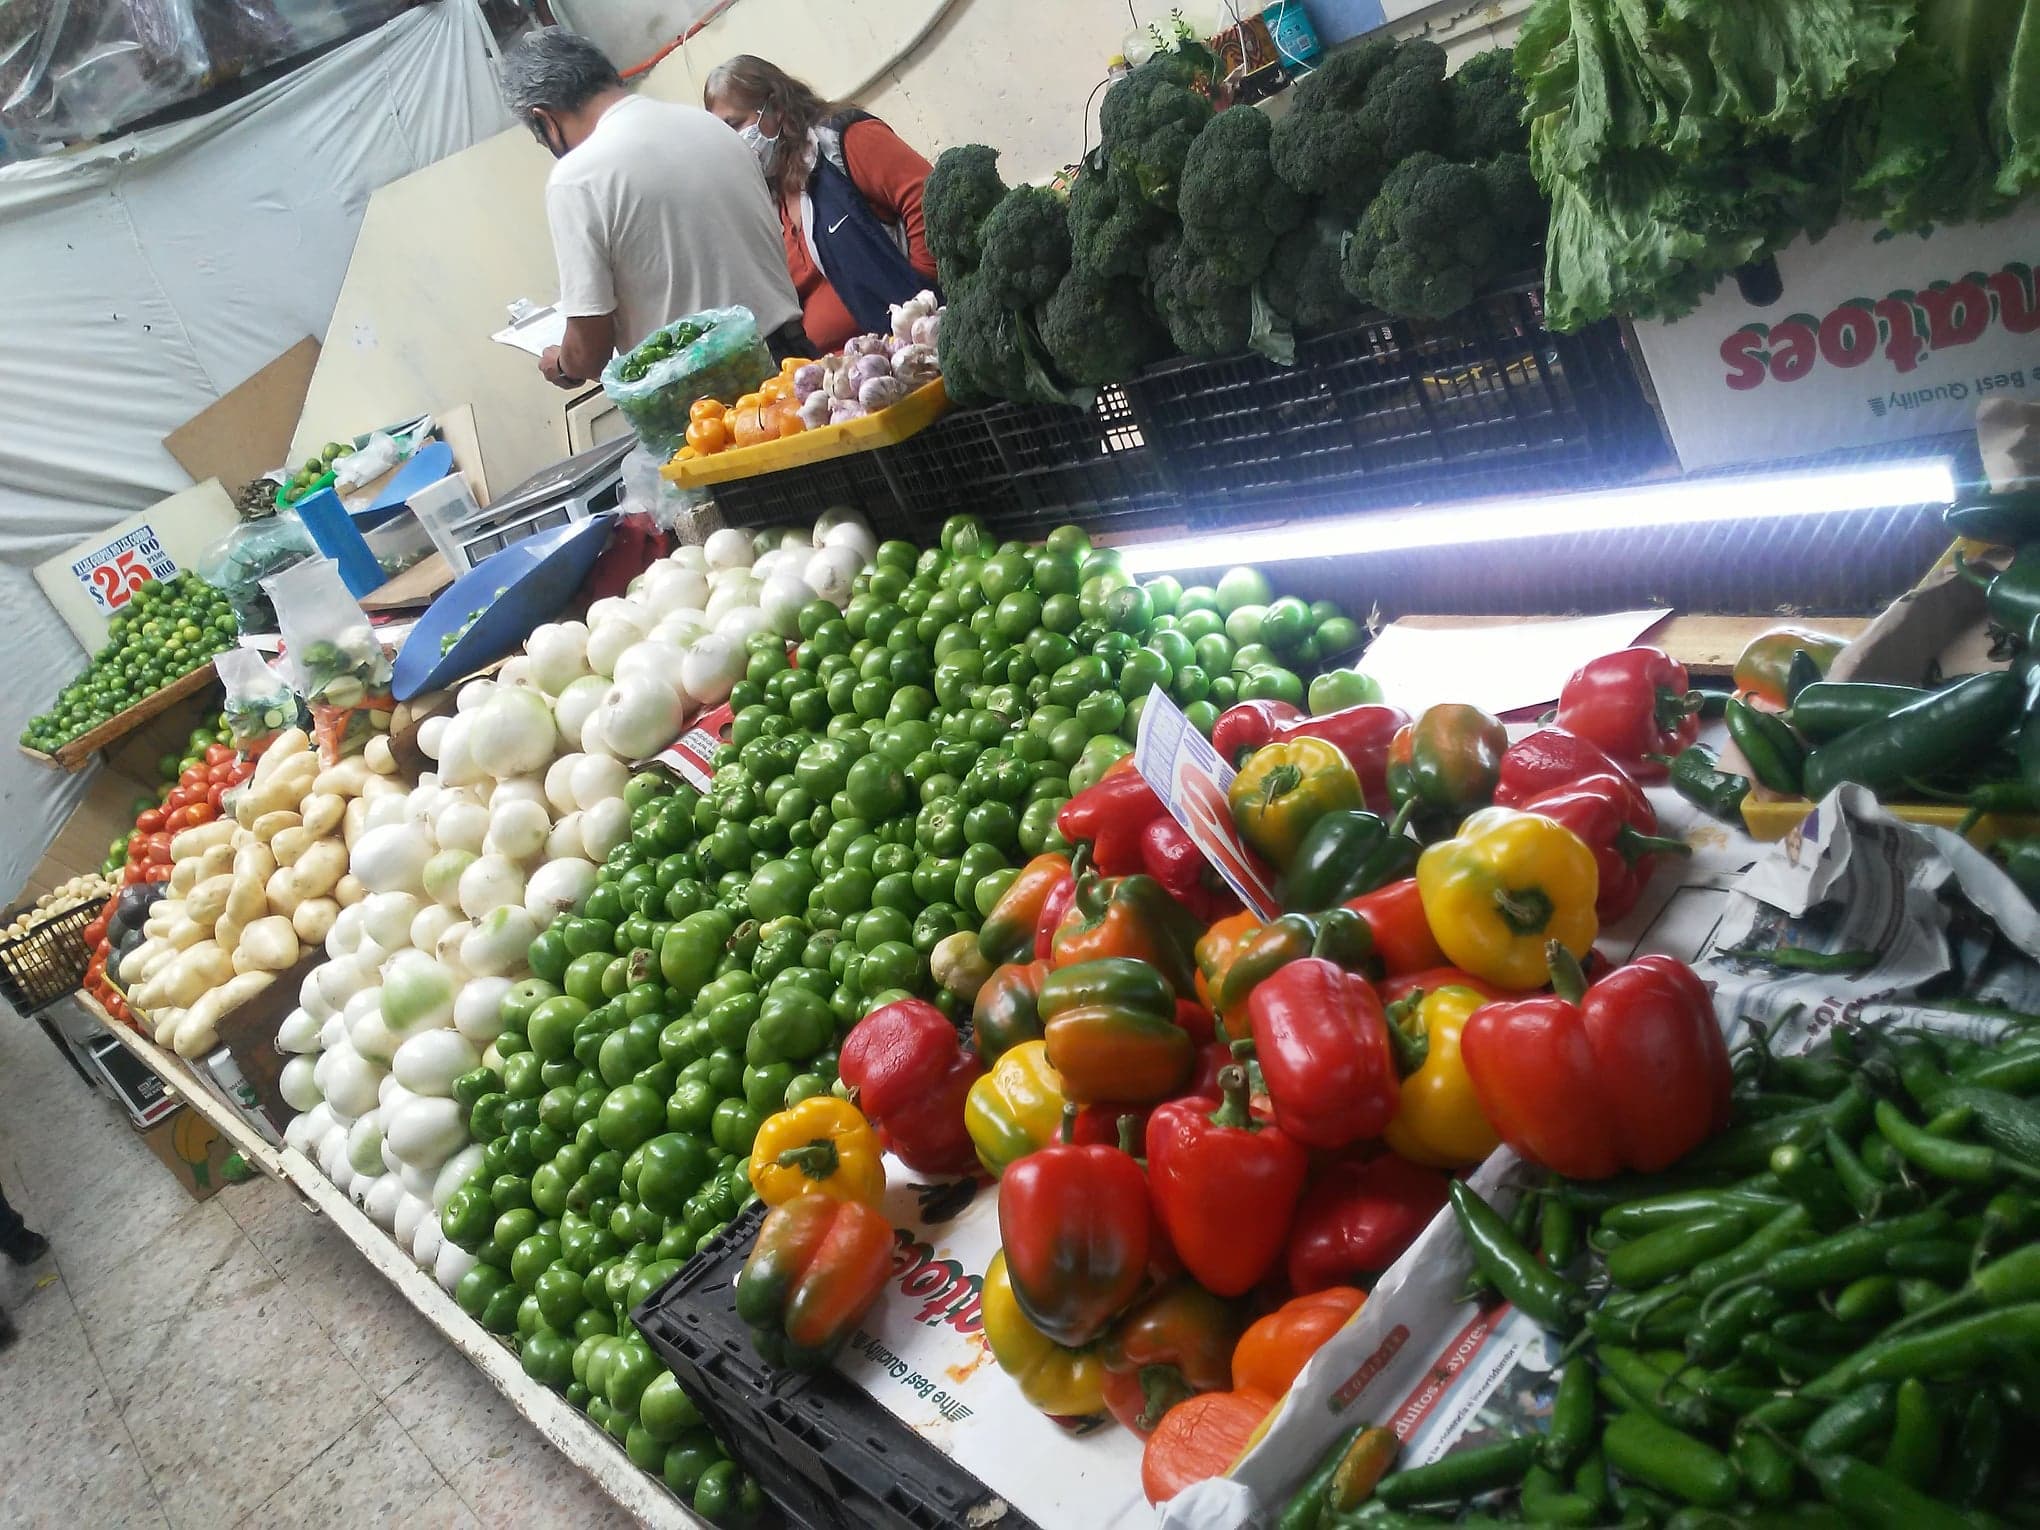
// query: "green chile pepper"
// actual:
[[1345, 853]]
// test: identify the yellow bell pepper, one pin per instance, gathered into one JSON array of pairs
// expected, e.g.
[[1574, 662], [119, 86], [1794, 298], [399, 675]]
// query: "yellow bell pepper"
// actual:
[[822, 1146], [1015, 1108], [1437, 1120], [1507, 884], [1285, 788], [1067, 1383]]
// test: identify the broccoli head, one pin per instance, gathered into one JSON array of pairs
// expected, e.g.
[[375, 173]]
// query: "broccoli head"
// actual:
[[1427, 241], [1359, 114], [1302, 282], [1099, 330], [962, 188], [1488, 106], [1206, 315], [1111, 226], [1024, 246], [979, 346], [1519, 210], [1147, 123], [1232, 204]]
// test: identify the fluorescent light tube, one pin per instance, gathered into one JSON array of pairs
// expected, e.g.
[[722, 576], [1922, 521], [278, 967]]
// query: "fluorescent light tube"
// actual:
[[1714, 501]]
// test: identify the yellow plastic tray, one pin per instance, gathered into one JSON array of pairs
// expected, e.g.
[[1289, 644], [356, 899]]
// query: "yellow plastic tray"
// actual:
[[1779, 817], [916, 412]]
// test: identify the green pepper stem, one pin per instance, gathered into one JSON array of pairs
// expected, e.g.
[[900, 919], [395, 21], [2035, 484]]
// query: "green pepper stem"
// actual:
[[1161, 1388], [1232, 1108], [1674, 707], [1068, 1131], [1280, 781], [1399, 825], [1129, 1135], [1633, 845], [1525, 910], [1567, 980], [1410, 1044], [818, 1160]]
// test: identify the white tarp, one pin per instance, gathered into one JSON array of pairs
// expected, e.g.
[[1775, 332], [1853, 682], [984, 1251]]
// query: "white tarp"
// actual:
[[145, 277]]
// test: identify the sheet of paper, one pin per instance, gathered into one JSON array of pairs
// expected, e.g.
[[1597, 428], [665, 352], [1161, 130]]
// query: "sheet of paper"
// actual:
[[1190, 778], [1498, 668], [538, 329]]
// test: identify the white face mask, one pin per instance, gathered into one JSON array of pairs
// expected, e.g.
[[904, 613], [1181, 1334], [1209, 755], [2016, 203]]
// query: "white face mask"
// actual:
[[766, 148]]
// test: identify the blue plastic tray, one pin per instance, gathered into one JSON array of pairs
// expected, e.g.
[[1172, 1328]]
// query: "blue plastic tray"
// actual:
[[516, 590], [430, 463]]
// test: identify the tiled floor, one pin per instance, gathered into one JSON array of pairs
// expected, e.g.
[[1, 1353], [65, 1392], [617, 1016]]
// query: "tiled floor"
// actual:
[[230, 1361]]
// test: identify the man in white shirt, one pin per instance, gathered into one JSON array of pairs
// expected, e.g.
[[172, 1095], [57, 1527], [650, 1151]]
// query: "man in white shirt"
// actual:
[[656, 210]]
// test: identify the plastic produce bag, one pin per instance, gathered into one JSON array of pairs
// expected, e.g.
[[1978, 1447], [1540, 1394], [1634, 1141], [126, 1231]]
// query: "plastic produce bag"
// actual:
[[717, 354], [266, 542], [259, 702], [341, 669]]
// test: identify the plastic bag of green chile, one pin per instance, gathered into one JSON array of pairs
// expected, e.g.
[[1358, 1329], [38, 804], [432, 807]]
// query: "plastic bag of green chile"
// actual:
[[713, 354]]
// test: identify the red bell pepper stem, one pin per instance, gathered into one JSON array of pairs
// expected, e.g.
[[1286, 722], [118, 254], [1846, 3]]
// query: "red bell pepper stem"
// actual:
[[1568, 980], [1410, 1047], [1233, 1100]]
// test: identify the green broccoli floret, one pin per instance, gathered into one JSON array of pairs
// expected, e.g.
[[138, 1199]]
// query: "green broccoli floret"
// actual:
[[1111, 227], [1487, 106], [1519, 210], [1099, 330], [979, 346], [1206, 315], [1360, 114], [1232, 204], [1302, 282], [1025, 246], [1426, 243], [1148, 121], [962, 188]]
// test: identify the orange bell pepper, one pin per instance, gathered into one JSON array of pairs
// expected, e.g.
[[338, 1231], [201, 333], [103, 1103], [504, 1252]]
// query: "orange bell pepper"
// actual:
[[1201, 1437], [1275, 1348]]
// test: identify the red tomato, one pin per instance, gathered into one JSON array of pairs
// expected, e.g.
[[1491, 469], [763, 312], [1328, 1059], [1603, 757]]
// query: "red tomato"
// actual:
[[218, 754], [150, 820], [136, 841], [215, 775], [214, 794], [131, 873], [193, 775], [95, 934], [156, 874], [178, 797]]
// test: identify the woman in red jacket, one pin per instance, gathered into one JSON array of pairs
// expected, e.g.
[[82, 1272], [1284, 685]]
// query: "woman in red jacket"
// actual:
[[849, 194]]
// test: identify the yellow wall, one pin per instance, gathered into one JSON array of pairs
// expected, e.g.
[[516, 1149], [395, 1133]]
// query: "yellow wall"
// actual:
[[443, 251]]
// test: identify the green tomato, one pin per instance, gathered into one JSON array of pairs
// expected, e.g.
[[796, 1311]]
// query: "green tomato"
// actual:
[[1243, 624], [1242, 586], [1338, 688], [1286, 623]]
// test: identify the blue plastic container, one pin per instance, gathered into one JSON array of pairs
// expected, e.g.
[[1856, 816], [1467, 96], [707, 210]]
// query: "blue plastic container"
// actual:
[[337, 536], [515, 590], [1295, 37]]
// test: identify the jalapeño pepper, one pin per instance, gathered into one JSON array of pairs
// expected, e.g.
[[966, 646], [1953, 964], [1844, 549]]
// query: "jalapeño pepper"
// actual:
[[1696, 776], [1769, 744]]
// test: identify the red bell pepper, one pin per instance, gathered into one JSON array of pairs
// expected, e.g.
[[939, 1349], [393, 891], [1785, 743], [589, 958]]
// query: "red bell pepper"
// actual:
[[1614, 819], [1632, 704], [1402, 931], [1323, 1044], [1175, 1344], [1362, 734], [1129, 916], [908, 1073], [1548, 758], [1357, 1217], [1073, 1221], [1053, 908], [1629, 1074], [1225, 1184], [1171, 857], [1245, 727], [1111, 813], [1008, 933]]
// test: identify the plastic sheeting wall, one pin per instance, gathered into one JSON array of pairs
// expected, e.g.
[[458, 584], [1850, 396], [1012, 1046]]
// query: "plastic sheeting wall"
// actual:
[[144, 278]]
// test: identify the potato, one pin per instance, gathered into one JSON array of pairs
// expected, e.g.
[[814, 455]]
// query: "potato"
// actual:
[[267, 945], [354, 822], [280, 891], [246, 900], [348, 891], [207, 901], [291, 843], [290, 744], [218, 859], [191, 843], [313, 918], [322, 812], [319, 870], [254, 861], [345, 779], [271, 824]]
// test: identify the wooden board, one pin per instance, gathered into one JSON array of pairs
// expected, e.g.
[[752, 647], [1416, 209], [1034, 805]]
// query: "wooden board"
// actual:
[[246, 431], [417, 585], [77, 754], [1706, 645]]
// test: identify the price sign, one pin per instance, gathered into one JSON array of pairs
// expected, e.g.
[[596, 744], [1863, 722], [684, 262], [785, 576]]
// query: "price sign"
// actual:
[[112, 572]]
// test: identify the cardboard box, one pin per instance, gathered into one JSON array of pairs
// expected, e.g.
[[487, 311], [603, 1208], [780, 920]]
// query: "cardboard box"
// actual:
[[192, 1149]]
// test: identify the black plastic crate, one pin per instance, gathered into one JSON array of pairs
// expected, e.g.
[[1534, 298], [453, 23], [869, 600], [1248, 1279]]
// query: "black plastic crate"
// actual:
[[40, 966], [796, 495], [1092, 465], [1394, 411], [826, 1455]]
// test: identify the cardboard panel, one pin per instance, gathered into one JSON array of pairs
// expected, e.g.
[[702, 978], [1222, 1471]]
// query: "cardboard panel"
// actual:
[[247, 431]]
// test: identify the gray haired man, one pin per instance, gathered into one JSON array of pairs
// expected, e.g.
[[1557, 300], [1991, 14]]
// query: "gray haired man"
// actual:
[[656, 210]]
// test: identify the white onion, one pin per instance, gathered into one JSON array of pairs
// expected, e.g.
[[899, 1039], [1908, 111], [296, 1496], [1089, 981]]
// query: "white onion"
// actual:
[[430, 733], [490, 882], [829, 572], [728, 548], [781, 598], [653, 659], [641, 716], [478, 1009], [604, 826], [517, 830], [514, 734], [598, 778], [557, 886], [609, 638], [433, 919], [564, 843], [570, 713], [739, 622], [559, 794], [559, 654], [473, 696], [728, 596], [713, 666]]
